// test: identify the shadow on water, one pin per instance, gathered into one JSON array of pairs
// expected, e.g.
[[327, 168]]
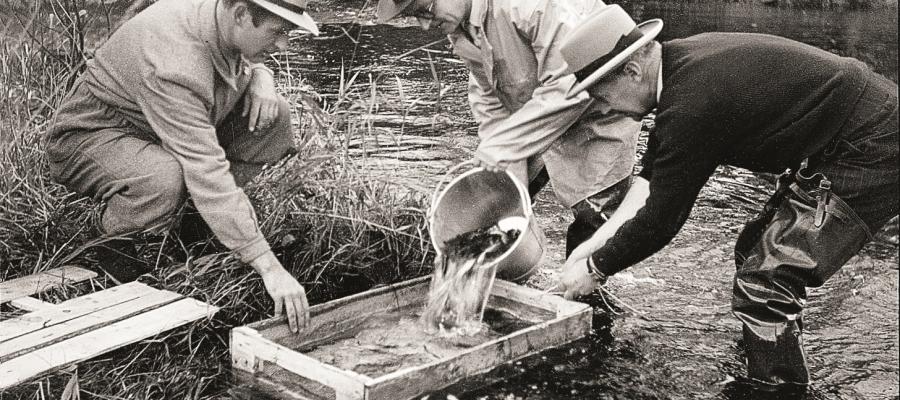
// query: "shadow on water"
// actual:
[[690, 348]]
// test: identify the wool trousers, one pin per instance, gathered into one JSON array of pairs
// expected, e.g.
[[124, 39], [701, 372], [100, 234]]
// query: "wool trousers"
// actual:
[[139, 182]]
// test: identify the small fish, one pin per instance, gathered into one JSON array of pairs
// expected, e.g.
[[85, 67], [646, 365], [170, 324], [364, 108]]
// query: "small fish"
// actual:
[[491, 241]]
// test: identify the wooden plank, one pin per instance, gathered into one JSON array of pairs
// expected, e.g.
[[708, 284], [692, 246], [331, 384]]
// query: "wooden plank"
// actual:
[[248, 342], [36, 283], [29, 303], [18, 345], [411, 382], [93, 343], [72, 309]]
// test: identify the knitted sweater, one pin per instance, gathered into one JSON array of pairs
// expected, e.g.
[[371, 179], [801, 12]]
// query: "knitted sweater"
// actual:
[[755, 101], [165, 72]]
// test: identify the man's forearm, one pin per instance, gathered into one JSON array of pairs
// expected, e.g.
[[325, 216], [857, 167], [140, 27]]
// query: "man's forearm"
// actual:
[[259, 68], [535, 126], [634, 200]]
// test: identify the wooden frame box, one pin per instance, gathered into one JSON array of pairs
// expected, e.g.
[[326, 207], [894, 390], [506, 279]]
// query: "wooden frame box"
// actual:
[[263, 356]]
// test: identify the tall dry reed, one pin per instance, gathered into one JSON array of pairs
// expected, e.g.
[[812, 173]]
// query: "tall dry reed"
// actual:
[[336, 228]]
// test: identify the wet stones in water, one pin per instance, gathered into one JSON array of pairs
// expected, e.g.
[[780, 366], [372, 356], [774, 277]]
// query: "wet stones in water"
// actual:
[[461, 284]]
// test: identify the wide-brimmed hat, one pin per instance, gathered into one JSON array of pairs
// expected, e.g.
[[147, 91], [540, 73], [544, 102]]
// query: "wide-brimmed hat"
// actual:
[[388, 9], [603, 42], [294, 11]]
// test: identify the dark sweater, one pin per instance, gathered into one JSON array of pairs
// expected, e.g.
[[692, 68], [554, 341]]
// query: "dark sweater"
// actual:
[[754, 101]]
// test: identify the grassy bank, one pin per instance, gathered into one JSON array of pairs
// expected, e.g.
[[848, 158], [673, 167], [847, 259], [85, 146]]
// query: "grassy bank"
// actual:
[[335, 228]]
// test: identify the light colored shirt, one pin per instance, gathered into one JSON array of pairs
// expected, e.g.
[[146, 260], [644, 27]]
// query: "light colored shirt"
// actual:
[[517, 93], [166, 71], [659, 82]]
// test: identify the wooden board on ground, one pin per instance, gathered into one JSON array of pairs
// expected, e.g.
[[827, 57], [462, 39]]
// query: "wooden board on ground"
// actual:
[[29, 303], [36, 283], [52, 338], [267, 356]]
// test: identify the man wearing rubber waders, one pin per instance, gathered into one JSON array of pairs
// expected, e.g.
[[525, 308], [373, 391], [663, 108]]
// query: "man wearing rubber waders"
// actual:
[[169, 106], [759, 102], [517, 93]]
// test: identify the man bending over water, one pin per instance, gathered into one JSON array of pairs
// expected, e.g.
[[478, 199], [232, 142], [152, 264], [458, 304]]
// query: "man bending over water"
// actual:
[[759, 102]]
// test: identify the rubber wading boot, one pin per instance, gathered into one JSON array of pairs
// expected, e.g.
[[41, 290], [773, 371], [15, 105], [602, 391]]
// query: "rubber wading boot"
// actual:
[[778, 358], [118, 258]]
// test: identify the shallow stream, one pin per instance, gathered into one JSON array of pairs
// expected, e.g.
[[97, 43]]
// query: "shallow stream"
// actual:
[[671, 334]]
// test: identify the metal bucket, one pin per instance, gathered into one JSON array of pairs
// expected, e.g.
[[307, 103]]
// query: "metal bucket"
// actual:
[[478, 198]]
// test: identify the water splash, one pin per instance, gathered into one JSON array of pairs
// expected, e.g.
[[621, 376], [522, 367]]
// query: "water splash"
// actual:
[[462, 281]]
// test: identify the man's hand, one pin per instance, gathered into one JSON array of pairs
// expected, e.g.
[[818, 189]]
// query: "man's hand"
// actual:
[[490, 165], [261, 101], [576, 279], [287, 293]]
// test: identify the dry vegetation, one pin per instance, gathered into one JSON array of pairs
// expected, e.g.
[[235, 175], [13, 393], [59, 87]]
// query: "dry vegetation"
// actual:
[[335, 228]]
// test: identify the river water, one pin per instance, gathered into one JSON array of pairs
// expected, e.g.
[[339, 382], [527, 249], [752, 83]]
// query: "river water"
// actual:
[[671, 334]]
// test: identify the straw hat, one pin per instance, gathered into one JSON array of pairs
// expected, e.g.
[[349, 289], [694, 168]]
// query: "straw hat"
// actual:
[[388, 9], [603, 42], [294, 11]]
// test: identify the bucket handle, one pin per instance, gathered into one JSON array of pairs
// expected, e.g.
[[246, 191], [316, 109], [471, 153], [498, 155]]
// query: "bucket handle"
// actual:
[[523, 193], [443, 181]]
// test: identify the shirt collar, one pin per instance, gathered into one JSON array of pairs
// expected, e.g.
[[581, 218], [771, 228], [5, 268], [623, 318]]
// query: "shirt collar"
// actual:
[[659, 82], [228, 66]]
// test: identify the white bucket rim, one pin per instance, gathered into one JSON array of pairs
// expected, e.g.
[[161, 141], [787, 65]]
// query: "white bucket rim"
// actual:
[[523, 196]]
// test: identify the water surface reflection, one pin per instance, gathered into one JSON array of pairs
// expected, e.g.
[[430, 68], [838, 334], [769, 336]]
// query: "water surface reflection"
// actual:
[[687, 346]]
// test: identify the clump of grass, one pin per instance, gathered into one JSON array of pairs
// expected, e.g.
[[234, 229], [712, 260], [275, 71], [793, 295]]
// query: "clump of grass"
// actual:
[[334, 227], [39, 57]]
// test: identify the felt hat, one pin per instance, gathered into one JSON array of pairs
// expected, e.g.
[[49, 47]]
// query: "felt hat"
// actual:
[[603, 42], [388, 9], [294, 11]]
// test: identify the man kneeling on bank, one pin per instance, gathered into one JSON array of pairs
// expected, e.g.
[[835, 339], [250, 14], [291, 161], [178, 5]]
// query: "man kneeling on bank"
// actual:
[[172, 102], [759, 102]]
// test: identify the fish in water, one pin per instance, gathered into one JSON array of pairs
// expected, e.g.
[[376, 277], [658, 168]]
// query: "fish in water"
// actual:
[[463, 278]]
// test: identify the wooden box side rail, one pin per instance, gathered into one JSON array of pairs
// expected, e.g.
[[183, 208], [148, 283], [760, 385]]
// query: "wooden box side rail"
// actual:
[[338, 318], [249, 350], [274, 382], [410, 382], [536, 298], [262, 351]]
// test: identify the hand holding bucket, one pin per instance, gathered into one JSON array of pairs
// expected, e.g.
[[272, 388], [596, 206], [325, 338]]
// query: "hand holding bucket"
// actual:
[[480, 198]]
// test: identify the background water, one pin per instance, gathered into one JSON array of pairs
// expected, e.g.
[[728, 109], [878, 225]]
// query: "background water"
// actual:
[[685, 346]]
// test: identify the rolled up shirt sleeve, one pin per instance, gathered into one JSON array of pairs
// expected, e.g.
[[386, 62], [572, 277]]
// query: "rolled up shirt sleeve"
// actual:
[[487, 109], [180, 117]]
